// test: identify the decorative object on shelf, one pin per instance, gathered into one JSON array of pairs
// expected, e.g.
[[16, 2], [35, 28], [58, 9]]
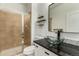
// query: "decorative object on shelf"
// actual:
[[41, 21], [40, 17]]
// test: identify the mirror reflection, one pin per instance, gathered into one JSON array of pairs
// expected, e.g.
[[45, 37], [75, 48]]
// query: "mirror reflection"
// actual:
[[64, 16]]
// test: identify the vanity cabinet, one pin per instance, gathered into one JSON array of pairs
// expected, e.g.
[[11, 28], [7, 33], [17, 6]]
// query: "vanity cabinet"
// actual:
[[41, 51]]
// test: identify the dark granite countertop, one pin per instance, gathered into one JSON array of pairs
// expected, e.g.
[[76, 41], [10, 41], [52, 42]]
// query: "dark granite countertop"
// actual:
[[66, 50]]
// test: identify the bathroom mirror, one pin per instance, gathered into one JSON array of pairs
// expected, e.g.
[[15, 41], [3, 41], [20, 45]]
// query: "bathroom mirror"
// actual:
[[64, 16]]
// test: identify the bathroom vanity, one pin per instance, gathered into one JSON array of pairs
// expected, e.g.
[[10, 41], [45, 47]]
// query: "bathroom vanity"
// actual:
[[42, 49]]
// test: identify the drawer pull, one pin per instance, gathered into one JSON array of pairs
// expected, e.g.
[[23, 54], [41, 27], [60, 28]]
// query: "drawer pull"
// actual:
[[35, 45], [46, 53]]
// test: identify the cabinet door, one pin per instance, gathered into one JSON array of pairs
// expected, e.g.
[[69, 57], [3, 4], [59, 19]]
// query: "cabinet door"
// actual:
[[48, 53], [40, 51]]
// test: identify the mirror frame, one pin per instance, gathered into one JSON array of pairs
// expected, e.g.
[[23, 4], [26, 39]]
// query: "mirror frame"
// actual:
[[49, 24]]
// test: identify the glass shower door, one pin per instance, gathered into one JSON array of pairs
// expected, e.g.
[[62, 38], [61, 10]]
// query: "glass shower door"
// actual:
[[10, 30]]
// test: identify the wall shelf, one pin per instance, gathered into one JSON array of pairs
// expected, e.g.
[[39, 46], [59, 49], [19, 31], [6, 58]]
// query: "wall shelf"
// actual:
[[41, 21], [40, 17]]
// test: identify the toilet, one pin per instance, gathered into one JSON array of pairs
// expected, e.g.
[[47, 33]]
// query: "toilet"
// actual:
[[29, 51]]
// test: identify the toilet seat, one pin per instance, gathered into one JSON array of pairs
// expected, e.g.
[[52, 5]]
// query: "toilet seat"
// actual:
[[29, 50]]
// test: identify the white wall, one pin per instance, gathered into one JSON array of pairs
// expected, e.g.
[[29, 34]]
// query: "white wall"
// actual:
[[40, 10], [33, 20]]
